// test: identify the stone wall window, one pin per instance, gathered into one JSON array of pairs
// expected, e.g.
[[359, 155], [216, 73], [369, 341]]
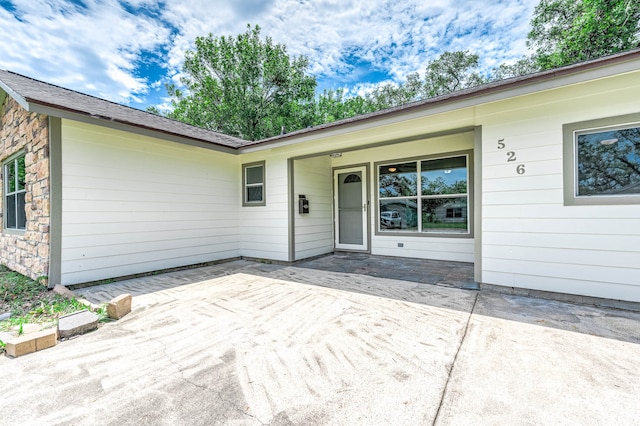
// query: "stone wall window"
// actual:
[[14, 189], [253, 184]]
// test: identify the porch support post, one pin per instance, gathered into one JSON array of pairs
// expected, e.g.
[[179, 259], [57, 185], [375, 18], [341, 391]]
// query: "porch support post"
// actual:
[[55, 201], [292, 213], [477, 204]]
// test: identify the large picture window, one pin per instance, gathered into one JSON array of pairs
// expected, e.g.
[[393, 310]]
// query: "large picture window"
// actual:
[[14, 190], [253, 184], [602, 161], [424, 196]]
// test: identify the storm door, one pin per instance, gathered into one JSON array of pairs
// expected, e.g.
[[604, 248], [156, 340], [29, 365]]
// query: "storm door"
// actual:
[[351, 206]]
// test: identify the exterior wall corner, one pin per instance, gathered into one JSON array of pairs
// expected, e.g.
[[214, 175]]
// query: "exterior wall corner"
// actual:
[[27, 252]]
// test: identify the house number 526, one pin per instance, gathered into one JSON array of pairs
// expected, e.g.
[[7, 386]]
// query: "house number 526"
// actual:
[[511, 156]]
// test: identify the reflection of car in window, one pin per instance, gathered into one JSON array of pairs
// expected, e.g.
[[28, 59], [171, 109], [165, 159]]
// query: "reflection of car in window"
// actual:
[[390, 219]]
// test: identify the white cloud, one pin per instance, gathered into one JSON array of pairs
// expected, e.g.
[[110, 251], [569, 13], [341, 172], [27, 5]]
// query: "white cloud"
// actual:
[[97, 49], [92, 49]]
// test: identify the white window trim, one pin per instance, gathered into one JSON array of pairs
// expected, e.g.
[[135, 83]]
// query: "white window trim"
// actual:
[[418, 233], [5, 192], [570, 132], [245, 185]]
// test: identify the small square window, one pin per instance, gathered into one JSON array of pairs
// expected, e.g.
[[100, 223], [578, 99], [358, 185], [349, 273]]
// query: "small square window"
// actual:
[[253, 184], [14, 193], [602, 162]]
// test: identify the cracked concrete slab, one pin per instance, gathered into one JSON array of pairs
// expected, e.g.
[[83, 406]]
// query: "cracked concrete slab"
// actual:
[[245, 343]]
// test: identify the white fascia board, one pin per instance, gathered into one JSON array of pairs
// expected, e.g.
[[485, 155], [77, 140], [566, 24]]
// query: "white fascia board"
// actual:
[[7, 91]]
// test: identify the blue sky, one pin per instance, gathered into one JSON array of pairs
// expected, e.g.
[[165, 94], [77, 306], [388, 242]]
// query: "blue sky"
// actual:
[[127, 50]]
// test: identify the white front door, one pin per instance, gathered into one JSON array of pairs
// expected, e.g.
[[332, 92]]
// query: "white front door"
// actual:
[[351, 206]]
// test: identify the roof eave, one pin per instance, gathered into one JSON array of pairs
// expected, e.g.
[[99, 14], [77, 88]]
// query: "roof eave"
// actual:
[[83, 116], [498, 90], [21, 100]]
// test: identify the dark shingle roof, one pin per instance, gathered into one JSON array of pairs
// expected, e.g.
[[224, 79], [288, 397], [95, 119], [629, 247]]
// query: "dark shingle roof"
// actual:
[[37, 92]]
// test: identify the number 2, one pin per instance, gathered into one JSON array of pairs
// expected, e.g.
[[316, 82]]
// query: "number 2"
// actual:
[[511, 156]]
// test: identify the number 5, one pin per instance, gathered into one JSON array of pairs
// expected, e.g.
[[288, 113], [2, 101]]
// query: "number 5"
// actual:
[[501, 144]]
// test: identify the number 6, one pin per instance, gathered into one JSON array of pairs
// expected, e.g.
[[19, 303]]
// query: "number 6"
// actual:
[[520, 169]]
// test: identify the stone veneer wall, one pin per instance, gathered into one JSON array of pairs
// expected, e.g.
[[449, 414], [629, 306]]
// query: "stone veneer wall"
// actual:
[[27, 252]]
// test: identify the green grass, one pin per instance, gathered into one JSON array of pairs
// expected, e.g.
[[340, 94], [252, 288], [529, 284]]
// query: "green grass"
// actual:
[[29, 301]]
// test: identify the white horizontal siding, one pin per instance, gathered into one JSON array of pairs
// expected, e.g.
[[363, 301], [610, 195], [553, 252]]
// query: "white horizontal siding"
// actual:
[[314, 231], [453, 249], [587, 287], [530, 239], [556, 240], [134, 204], [264, 230], [565, 256]]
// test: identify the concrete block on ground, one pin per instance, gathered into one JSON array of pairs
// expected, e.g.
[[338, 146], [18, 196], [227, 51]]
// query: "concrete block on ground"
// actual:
[[119, 306], [77, 323], [31, 342], [63, 291], [46, 338], [19, 346]]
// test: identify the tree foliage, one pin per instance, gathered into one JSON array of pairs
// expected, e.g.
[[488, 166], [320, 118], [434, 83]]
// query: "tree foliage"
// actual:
[[389, 95], [333, 105], [242, 86], [523, 66], [249, 87], [450, 72], [568, 31], [447, 73], [609, 168], [440, 186]]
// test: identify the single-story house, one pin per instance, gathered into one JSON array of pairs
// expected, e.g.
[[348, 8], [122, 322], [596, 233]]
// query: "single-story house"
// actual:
[[541, 173]]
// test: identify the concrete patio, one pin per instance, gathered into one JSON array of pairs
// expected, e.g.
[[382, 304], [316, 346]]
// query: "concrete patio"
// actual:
[[247, 343]]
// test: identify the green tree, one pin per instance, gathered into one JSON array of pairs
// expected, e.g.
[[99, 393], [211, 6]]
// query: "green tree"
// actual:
[[389, 95], [333, 105], [609, 168], [439, 186], [451, 71], [242, 86], [568, 31], [447, 73], [523, 66]]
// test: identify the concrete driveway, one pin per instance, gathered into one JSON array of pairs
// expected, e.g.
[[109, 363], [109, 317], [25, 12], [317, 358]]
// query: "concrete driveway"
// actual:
[[245, 343]]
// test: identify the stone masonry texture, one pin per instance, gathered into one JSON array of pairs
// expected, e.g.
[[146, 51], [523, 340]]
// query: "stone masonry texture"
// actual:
[[27, 252]]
